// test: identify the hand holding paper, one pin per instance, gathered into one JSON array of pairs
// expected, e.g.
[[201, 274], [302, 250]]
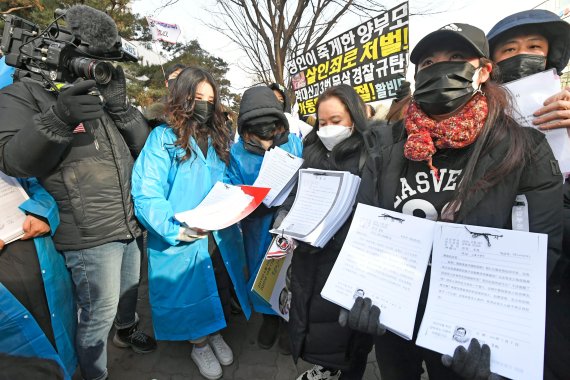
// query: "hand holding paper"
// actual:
[[473, 363], [363, 317], [555, 113], [189, 235], [34, 227]]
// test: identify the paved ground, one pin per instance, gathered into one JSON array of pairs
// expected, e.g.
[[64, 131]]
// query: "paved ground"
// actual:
[[172, 360]]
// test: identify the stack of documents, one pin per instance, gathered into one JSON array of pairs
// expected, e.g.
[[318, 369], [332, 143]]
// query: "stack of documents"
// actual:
[[323, 203], [11, 217], [223, 206], [279, 173]]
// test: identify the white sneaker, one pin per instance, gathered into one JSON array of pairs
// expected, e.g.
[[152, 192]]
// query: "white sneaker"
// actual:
[[319, 373], [207, 363], [221, 349]]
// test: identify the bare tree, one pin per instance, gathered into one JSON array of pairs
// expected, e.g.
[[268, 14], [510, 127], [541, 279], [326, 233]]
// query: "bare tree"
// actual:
[[270, 31]]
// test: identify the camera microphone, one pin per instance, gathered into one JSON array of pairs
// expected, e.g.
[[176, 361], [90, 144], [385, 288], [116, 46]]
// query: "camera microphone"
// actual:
[[93, 27]]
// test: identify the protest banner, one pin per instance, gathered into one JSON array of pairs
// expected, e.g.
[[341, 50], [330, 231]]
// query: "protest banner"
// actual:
[[162, 31], [371, 57]]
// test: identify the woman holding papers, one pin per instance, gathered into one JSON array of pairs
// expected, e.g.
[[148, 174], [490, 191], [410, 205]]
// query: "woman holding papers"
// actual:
[[188, 269], [316, 335], [459, 157], [261, 126]]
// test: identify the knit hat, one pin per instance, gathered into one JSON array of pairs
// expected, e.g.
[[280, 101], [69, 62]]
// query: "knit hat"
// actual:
[[259, 107]]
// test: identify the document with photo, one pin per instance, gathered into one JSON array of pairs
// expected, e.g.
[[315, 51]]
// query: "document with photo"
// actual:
[[488, 284], [384, 258]]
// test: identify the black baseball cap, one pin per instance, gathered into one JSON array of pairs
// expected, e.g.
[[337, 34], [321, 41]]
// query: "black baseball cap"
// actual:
[[469, 34]]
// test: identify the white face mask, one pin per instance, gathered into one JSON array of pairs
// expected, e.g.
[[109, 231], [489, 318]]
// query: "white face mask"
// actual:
[[476, 85], [331, 135]]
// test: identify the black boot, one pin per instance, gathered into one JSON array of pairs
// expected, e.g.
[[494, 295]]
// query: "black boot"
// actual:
[[134, 338], [268, 331]]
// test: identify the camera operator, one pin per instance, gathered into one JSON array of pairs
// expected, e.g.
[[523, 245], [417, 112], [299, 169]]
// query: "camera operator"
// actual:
[[82, 152]]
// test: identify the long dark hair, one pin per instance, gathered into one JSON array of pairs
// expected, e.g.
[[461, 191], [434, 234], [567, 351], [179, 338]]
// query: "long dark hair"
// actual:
[[498, 126], [356, 108], [181, 101]]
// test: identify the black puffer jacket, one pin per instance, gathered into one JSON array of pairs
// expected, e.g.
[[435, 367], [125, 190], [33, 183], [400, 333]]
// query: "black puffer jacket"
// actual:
[[88, 173], [316, 336]]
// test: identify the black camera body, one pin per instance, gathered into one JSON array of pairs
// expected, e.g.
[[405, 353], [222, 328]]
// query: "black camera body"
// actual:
[[55, 54]]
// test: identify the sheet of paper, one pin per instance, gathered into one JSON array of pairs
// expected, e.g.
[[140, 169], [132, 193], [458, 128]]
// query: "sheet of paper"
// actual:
[[316, 194], [488, 284], [276, 171], [529, 94], [223, 206], [384, 257], [12, 195], [283, 195]]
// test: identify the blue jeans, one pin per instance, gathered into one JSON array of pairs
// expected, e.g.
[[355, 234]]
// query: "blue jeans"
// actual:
[[106, 281]]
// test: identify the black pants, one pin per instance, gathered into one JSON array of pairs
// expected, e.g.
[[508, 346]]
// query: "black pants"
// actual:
[[20, 273], [223, 280], [557, 339], [400, 359]]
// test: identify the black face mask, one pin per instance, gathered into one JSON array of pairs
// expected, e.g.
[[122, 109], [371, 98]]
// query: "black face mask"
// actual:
[[278, 139], [444, 87], [520, 66], [254, 148], [203, 111]]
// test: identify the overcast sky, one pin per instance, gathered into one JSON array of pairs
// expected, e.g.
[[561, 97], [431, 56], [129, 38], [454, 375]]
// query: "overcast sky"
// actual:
[[189, 13]]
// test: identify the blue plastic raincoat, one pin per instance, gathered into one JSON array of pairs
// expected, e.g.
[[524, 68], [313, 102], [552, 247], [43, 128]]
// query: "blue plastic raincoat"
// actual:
[[183, 292], [19, 333], [5, 73], [244, 168]]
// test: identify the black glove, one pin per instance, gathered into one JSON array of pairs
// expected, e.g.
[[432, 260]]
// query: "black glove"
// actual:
[[403, 91], [74, 105], [115, 92], [363, 317], [473, 363]]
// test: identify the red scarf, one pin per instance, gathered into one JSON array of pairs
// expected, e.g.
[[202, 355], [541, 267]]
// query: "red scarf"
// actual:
[[426, 135]]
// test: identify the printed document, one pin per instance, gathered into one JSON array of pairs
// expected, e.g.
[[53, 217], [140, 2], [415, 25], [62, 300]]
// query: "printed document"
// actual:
[[278, 172], [384, 258], [529, 94], [12, 195], [488, 284], [223, 206]]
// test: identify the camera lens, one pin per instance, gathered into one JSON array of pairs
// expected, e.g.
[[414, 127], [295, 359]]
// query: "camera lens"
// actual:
[[88, 68]]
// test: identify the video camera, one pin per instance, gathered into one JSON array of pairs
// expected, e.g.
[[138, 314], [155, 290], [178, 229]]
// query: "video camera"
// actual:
[[59, 54]]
